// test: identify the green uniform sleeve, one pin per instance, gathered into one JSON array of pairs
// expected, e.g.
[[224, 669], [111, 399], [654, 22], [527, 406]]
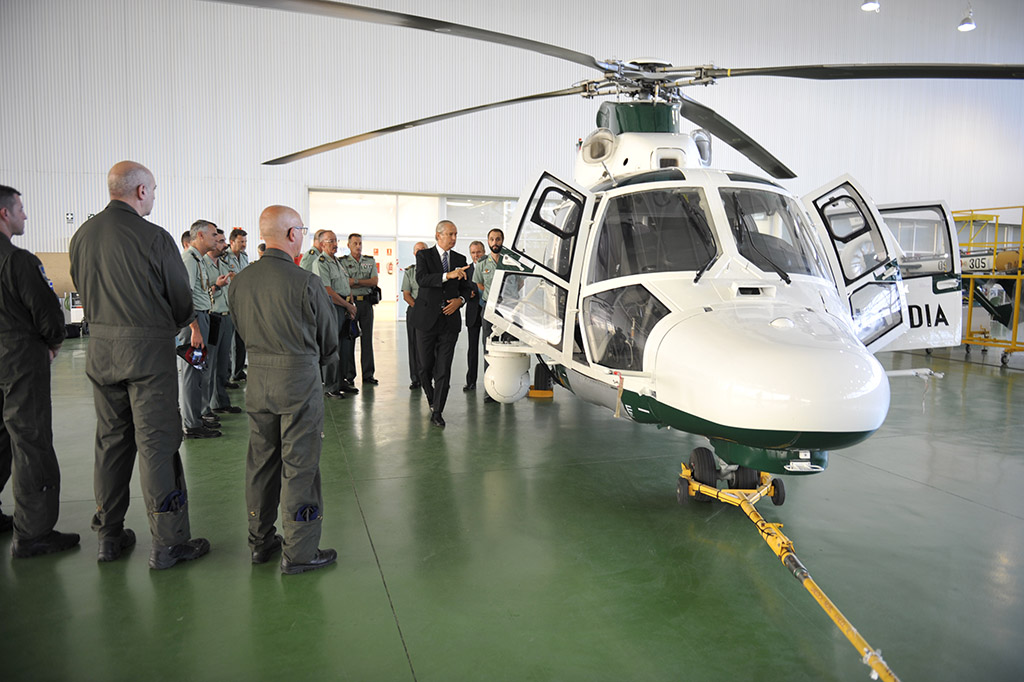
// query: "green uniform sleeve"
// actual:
[[176, 279], [38, 297], [325, 317]]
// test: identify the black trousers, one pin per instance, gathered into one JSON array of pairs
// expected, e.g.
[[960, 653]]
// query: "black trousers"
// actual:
[[414, 365], [473, 356], [436, 349]]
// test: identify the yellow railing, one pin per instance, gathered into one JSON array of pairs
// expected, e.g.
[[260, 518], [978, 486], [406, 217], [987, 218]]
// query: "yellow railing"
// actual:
[[992, 254]]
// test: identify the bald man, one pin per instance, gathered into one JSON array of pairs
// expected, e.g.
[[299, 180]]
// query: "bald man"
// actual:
[[290, 329], [136, 295]]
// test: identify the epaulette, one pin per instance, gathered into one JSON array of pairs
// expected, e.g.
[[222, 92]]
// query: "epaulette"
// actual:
[[323, 258], [313, 252]]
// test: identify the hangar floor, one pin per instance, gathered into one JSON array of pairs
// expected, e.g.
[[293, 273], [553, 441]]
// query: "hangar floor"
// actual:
[[542, 541]]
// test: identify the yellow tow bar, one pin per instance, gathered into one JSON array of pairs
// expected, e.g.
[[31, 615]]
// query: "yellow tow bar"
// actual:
[[783, 548]]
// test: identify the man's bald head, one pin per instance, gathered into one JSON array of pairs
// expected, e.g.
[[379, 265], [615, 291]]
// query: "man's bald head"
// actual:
[[133, 184], [276, 229]]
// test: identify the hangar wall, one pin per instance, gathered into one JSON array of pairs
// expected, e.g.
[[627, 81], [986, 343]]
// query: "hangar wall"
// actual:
[[203, 92]]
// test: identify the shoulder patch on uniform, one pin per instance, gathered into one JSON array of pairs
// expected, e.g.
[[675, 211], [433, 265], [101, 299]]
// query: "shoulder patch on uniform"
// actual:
[[313, 252], [322, 259]]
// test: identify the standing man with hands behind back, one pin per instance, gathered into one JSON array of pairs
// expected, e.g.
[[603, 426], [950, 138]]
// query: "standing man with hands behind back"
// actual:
[[444, 289], [290, 329], [362, 274]]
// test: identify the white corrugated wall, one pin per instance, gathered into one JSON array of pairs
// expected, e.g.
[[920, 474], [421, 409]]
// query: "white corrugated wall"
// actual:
[[203, 92]]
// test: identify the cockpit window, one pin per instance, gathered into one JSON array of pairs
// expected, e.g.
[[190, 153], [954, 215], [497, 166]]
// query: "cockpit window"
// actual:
[[618, 323], [664, 230], [772, 233]]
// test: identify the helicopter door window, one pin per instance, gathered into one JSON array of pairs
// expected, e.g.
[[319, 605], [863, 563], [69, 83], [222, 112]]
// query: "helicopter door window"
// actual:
[[772, 233], [618, 323], [548, 232], [860, 248], [664, 230], [876, 310], [535, 305], [923, 234]]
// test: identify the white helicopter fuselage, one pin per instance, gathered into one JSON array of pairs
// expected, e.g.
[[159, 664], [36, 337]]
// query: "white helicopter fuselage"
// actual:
[[698, 299]]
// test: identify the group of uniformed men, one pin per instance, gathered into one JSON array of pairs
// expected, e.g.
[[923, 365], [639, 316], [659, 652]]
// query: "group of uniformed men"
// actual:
[[139, 294]]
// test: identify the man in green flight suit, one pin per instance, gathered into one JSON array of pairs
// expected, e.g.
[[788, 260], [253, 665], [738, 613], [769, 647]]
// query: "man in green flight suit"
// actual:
[[290, 329], [362, 277], [136, 295], [31, 333]]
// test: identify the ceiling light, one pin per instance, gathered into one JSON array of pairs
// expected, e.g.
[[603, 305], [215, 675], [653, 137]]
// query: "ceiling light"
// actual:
[[968, 22], [871, 6]]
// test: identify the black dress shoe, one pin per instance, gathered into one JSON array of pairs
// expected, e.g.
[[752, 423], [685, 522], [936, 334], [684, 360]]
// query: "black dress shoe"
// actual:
[[165, 557], [469, 387], [231, 385], [489, 399], [337, 395], [348, 388], [436, 419], [213, 421], [241, 376], [50, 543], [266, 551], [202, 432], [230, 409], [6, 523], [414, 386], [324, 557], [112, 547], [371, 381]]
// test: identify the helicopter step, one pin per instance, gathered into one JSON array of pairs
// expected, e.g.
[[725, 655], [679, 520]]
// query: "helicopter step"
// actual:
[[699, 481]]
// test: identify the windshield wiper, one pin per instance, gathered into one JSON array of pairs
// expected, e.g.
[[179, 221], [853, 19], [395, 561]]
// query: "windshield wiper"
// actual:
[[740, 215], [704, 231], [704, 268]]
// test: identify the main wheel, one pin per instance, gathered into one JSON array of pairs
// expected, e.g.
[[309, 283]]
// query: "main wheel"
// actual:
[[702, 464], [745, 478], [778, 492]]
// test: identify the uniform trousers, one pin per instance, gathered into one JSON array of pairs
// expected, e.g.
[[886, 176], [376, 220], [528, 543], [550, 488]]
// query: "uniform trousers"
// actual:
[[26, 436], [364, 315], [282, 467], [332, 370], [195, 384], [219, 365], [414, 365], [135, 392], [473, 355]]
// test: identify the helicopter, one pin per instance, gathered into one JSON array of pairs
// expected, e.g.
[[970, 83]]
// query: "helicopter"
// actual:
[[709, 301], [705, 300]]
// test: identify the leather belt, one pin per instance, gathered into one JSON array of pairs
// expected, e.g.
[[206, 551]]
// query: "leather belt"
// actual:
[[361, 298], [220, 314]]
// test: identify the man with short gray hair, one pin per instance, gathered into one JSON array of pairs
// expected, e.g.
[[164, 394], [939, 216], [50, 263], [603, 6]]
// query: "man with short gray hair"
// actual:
[[134, 309]]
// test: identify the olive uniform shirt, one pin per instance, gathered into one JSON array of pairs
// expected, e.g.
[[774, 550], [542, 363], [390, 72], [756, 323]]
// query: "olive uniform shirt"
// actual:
[[364, 268], [483, 273], [409, 282]]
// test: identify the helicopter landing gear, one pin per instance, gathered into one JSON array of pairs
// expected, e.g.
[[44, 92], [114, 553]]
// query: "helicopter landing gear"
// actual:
[[690, 485], [745, 478], [705, 470]]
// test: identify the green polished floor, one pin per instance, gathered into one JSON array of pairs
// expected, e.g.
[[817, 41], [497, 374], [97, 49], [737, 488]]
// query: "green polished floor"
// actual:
[[543, 541]]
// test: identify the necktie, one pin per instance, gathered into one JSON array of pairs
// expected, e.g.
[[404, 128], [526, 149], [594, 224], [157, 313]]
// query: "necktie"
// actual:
[[444, 261]]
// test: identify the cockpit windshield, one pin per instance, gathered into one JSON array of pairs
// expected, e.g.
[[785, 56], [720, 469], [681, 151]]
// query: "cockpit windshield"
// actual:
[[663, 230], [771, 232]]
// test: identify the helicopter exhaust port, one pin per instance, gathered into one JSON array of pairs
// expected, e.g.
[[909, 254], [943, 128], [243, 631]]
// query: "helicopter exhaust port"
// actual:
[[507, 378]]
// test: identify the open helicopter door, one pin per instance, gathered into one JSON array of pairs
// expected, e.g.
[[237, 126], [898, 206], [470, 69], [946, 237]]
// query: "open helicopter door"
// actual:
[[530, 298], [863, 259], [929, 263]]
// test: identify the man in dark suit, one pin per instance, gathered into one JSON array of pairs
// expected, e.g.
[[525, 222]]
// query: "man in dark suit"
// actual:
[[444, 289], [474, 319]]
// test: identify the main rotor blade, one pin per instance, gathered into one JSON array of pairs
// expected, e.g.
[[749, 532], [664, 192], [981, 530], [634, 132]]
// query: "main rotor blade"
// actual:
[[370, 15], [312, 151], [858, 71], [728, 133]]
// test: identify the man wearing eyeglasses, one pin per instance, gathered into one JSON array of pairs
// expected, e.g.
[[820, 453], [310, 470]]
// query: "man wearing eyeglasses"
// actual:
[[290, 330]]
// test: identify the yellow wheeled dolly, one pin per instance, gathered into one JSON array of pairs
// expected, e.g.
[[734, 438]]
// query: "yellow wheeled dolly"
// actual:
[[745, 499]]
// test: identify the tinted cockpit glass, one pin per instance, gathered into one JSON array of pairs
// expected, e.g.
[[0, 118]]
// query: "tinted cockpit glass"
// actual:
[[664, 230], [770, 229]]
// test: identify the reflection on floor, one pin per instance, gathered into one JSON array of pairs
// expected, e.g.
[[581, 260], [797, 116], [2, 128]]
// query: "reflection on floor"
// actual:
[[543, 541]]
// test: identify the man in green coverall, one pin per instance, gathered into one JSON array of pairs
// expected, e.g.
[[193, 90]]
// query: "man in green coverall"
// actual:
[[136, 295], [31, 332], [290, 329]]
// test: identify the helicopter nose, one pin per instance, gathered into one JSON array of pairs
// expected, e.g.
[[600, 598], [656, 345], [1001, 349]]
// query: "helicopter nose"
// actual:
[[772, 369]]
